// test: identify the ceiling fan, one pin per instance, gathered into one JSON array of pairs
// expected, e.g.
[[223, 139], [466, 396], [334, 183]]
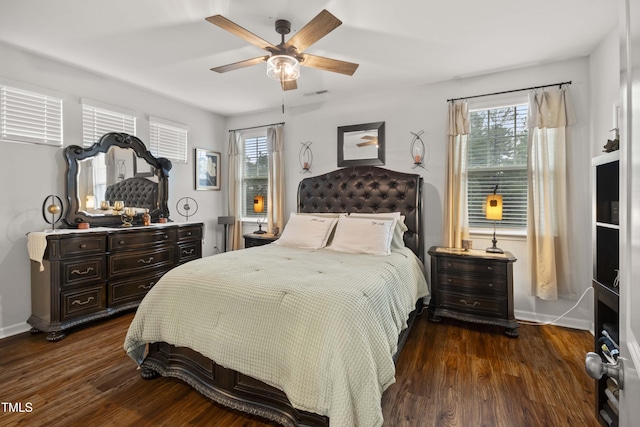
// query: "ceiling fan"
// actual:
[[284, 60]]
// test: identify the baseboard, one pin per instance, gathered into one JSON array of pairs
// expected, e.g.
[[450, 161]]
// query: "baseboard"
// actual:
[[14, 329], [567, 322]]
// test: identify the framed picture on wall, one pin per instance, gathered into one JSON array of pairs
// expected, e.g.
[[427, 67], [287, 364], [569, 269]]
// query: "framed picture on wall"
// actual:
[[207, 175]]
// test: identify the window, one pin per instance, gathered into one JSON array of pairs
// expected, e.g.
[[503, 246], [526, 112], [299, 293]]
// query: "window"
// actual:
[[168, 139], [98, 119], [255, 173], [30, 117], [498, 156]]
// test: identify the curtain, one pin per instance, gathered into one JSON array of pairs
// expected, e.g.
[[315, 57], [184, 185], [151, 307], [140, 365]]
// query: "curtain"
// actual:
[[234, 179], [549, 115], [275, 193], [456, 225]]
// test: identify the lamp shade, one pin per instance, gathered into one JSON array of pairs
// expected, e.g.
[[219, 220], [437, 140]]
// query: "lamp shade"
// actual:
[[258, 203], [494, 207], [283, 67]]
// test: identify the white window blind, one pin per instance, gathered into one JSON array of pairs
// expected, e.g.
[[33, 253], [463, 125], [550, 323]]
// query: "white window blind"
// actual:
[[255, 174], [30, 117], [98, 120], [168, 140], [498, 156]]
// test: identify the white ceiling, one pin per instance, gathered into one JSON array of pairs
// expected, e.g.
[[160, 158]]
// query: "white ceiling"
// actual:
[[167, 46]]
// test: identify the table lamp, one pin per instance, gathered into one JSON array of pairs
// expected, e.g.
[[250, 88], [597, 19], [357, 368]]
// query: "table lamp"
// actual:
[[494, 212]]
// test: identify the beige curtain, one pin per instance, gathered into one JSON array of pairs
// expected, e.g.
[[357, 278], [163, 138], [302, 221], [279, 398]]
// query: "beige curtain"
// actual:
[[234, 172], [549, 114], [275, 194], [456, 225]]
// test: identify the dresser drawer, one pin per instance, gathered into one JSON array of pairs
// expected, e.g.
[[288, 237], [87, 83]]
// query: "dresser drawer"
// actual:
[[83, 302], [472, 304], [80, 271], [483, 284], [463, 266], [132, 289], [128, 263], [188, 233], [189, 251], [83, 245], [141, 238]]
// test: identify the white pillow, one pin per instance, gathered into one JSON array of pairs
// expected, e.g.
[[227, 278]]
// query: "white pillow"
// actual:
[[306, 231], [363, 235], [397, 241]]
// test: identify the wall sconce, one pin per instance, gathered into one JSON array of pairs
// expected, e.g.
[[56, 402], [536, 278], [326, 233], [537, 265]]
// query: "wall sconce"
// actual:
[[418, 150], [258, 207], [306, 157], [494, 212]]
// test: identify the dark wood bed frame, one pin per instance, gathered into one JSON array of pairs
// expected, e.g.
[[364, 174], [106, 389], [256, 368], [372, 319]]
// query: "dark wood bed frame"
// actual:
[[364, 189]]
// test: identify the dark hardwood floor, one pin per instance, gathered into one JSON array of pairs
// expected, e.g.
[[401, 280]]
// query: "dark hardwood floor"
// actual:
[[450, 374]]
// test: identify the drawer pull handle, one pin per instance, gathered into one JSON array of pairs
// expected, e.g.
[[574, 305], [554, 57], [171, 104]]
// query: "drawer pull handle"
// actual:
[[467, 304], [166, 236], [448, 264], [121, 242], [449, 280], [147, 261], [82, 303], [146, 286], [82, 273], [189, 233], [491, 285], [188, 252], [83, 246], [489, 268]]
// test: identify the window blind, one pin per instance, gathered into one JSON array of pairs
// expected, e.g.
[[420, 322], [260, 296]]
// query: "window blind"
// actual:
[[255, 174], [498, 156], [168, 140], [30, 117], [97, 121]]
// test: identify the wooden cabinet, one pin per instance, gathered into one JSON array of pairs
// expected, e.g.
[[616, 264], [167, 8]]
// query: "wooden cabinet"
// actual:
[[606, 261], [251, 240], [474, 286], [92, 274]]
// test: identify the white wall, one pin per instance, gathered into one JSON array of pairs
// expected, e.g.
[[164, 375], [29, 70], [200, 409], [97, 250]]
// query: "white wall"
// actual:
[[31, 172], [425, 108]]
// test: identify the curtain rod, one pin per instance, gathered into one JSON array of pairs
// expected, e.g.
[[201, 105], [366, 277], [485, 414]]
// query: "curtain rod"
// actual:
[[510, 91], [256, 127]]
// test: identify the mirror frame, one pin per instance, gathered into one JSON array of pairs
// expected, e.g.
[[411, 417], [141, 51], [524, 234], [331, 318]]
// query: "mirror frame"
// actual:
[[378, 161], [74, 154]]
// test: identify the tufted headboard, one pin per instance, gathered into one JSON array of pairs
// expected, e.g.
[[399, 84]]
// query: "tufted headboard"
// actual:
[[136, 191], [367, 189]]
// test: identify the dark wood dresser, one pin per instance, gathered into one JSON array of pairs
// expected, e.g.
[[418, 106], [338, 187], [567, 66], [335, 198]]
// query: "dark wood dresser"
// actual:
[[92, 274], [251, 240], [474, 286]]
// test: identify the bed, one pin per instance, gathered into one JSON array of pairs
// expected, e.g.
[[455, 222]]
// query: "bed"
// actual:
[[273, 333]]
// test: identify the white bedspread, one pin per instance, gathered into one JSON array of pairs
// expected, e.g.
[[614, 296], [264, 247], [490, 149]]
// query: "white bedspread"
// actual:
[[320, 325]]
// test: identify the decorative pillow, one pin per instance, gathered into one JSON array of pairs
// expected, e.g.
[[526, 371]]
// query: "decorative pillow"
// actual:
[[363, 235], [397, 242], [306, 231]]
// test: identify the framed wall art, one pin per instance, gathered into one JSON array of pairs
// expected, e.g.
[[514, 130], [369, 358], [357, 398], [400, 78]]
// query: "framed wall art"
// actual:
[[207, 174]]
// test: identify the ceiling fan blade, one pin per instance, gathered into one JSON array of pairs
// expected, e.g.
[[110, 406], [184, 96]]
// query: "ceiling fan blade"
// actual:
[[289, 85], [317, 28], [236, 29], [328, 64], [364, 144], [370, 137], [240, 64]]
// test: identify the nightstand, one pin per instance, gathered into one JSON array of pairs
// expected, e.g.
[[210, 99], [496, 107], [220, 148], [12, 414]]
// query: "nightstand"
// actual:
[[251, 240], [473, 286]]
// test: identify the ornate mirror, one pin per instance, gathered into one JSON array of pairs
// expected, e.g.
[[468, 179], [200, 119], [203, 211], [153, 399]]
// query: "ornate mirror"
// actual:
[[116, 168], [360, 145]]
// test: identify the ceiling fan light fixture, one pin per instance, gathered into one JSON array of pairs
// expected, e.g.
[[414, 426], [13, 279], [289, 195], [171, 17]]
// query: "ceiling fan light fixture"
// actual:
[[283, 68]]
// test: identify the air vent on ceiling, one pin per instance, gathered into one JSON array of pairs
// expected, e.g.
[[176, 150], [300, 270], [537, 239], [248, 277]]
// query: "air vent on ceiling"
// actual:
[[318, 92]]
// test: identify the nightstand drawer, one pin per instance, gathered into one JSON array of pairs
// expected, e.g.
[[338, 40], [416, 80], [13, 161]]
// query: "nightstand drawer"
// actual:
[[472, 304], [470, 266], [492, 285]]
